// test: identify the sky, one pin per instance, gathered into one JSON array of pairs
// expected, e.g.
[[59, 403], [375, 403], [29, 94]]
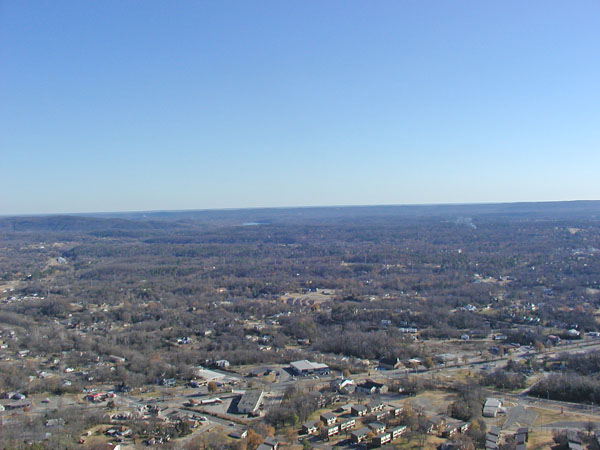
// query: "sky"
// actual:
[[156, 105]]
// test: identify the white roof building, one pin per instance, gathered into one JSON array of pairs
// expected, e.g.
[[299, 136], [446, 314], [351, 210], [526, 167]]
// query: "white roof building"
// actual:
[[305, 367]]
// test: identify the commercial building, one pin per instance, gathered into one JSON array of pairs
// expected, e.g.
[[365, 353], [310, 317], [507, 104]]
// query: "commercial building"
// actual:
[[492, 407], [250, 402], [304, 368]]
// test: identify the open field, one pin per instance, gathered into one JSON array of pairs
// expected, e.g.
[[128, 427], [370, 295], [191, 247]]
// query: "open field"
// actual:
[[433, 401], [539, 440], [547, 416]]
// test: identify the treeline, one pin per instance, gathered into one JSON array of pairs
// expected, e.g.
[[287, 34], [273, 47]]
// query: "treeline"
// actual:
[[568, 388], [584, 364], [296, 406], [502, 379]]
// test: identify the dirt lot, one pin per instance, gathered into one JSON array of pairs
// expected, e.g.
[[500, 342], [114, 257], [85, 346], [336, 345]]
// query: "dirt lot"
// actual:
[[434, 402]]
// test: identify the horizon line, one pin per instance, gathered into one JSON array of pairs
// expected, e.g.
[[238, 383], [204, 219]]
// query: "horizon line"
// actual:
[[190, 210]]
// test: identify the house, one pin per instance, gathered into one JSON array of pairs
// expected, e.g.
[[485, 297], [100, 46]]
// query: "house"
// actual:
[[371, 387], [522, 435], [494, 431], [398, 431], [342, 385], [491, 438], [271, 442], [347, 424], [375, 406], [250, 402], [97, 397], [238, 434], [15, 396], [327, 432], [360, 435], [380, 416], [453, 426], [310, 427], [121, 416], [382, 439], [490, 445], [435, 424], [20, 404], [376, 427], [117, 359], [449, 446], [408, 330], [491, 408], [446, 358], [324, 400], [573, 439], [345, 409], [328, 418], [304, 368], [222, 363], [414, 362], [123, 388], [390, 363], [358, 410], [554, 340], [169, 382], [395, 411]]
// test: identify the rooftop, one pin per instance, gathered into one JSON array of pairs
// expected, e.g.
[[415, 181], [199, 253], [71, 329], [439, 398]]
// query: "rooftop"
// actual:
[[250, 399], [305, 365]]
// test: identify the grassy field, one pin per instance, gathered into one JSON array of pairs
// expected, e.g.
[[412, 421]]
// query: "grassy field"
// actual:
[[431, 442], [547, 416], [539, 440]]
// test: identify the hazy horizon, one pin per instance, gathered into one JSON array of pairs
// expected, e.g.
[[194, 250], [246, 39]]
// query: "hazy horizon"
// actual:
[[285, 207]]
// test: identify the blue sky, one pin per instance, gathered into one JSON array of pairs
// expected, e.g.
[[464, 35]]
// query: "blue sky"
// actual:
[[145, 105]]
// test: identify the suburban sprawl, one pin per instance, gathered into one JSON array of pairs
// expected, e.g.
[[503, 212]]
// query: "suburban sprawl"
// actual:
[[436, 327]]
